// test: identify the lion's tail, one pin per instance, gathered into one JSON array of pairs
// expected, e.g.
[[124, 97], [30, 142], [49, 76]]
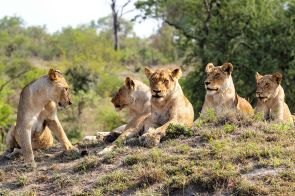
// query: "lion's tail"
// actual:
[[10, 138]]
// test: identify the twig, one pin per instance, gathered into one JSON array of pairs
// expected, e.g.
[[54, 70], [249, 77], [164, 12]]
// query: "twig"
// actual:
[[11, 79]]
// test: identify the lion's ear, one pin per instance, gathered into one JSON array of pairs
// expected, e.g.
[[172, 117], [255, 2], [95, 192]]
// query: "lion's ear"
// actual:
[[209, 67], [53, 74], [129, 83], [258, 76], [227, 67], [277, 77], [176, 73], [148, 72]]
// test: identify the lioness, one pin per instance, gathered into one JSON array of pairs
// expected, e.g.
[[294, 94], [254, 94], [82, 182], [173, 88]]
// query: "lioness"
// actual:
[[169, 105], [271, 98], [135, 96], [37, 115], [221, 93]]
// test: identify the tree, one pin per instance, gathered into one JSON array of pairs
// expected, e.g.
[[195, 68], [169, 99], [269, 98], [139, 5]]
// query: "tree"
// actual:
[[117, 14], [253, 35]]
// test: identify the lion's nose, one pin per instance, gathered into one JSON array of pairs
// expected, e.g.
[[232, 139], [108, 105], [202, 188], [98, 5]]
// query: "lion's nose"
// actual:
[[157, 91], [207, 83]]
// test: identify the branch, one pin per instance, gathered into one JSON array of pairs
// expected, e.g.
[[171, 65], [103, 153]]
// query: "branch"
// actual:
[[123, 13], [11, 79], [185, 33], [123, 6], [208, 7]]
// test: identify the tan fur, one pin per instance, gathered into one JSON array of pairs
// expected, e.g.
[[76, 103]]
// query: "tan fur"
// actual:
[[134, 96], [37, 115], [221, 93], [169, 105], [271, 98]]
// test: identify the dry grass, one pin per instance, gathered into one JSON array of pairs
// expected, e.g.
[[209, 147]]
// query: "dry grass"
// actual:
[[226, 155]]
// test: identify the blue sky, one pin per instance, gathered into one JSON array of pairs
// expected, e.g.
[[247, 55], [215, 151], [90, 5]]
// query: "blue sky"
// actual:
[[56, 14]]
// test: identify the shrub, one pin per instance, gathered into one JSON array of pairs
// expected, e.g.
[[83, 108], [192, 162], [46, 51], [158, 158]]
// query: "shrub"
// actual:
[[174, 131]]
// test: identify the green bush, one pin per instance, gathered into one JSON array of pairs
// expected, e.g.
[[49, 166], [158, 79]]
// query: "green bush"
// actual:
[[174, 131]]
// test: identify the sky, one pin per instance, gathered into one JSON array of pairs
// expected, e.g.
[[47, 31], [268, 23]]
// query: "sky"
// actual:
[[55, 14]]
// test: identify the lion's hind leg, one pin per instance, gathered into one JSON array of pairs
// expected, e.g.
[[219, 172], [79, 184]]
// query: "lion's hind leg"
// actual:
[[43, 140]]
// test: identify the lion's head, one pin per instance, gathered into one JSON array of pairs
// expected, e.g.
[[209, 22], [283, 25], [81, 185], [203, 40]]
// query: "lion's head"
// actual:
[[267, 85], [60, 90], [124, 96], [218, 77], [162, 82]]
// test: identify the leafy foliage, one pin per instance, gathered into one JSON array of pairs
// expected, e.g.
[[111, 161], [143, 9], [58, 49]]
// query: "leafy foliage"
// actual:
[[253, 35]]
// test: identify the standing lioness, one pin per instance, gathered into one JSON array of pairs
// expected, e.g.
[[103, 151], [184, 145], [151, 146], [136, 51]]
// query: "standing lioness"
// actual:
[[271, 98], [37, 114], [220, 91]]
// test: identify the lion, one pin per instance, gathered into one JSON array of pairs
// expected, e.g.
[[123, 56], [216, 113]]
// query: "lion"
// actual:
[[134, 96], [221, 93], [168, 106], [37, 117], [271, 98]]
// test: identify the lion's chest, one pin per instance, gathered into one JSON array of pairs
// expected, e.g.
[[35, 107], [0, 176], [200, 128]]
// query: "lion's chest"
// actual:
[[160, 117]]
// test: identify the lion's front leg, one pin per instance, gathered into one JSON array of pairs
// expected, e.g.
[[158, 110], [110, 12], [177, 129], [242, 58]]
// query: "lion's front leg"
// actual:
[[153, 136], [56, 128], [278, 112], [25, 143], [261, 108]]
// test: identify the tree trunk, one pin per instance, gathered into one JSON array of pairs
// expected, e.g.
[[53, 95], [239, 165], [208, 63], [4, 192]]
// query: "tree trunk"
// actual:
[[115, 25]]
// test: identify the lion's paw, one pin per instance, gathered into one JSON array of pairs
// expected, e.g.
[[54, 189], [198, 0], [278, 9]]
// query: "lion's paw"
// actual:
[[150, 140]]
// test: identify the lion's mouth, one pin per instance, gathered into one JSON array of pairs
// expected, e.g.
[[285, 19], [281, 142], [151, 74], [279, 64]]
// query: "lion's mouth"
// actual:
[[157, 96], [212, 89], [120, 107], [262, 98]]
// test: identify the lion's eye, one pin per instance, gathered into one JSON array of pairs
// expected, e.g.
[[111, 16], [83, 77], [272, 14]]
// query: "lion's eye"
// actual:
[[267, 84], [217, 75], [166, 81]]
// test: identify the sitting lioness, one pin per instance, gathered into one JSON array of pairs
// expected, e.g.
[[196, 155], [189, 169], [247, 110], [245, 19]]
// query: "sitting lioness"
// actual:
[[37, 117], [221, 93], [168, 105], [135, 96], [271, 98]]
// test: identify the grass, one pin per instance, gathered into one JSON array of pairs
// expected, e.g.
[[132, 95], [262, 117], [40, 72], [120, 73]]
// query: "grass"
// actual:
[[218, 157], [21, 181]]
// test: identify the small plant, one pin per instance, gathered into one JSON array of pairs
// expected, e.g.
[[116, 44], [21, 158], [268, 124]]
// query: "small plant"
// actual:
[[174, 131], [132, 159], [87, 164], [228, 128], [109, 158], [209, 115], [21, 181], [115, 182], [63, 181], [183, 149], [259, 116]]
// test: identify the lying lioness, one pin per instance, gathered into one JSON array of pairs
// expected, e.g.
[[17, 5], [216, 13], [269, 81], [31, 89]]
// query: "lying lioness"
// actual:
[[36, 116], [134, 96], [271, 98], [221, 93]]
